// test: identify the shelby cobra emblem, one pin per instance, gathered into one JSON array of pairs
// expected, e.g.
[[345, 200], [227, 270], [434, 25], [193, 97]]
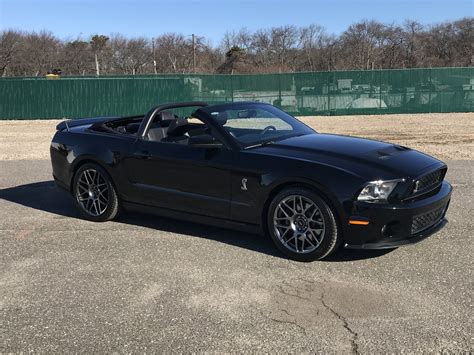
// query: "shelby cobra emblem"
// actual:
[[244, 184]]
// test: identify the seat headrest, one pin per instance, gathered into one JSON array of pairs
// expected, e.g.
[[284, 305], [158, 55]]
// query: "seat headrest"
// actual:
[[178, 127], [166, 115], [132, 127]]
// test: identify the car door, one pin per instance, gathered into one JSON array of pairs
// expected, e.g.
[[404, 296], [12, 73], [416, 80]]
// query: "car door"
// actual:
[[182, 178]]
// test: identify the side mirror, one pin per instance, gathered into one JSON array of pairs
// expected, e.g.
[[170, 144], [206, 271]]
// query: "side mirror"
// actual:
[[204, 141]]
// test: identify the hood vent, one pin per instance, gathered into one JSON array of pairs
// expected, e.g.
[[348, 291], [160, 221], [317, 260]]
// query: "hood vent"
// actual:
[[390, 151]]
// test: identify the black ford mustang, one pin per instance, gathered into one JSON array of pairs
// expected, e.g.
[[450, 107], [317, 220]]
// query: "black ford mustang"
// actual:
[[252, 167]]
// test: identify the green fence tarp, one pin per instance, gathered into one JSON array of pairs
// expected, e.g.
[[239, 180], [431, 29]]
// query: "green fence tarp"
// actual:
[[312, 93]]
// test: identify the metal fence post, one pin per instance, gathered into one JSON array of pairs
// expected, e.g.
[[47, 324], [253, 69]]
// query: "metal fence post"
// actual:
[[231, 88], [279, 89], [328, 83], [380, 90], [429, 94]]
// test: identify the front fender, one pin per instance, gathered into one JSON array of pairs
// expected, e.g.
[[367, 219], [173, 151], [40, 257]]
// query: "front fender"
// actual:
[[279, 183], [337, 194], [336, 185]]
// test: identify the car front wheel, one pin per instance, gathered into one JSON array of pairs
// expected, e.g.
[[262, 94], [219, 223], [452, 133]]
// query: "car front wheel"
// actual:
[[302, 225], [94, 193]]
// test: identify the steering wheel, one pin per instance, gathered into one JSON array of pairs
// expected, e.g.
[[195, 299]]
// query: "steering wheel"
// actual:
[[268, 128]]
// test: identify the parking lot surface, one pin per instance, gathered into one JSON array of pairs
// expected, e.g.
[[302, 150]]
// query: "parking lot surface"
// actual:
[[145, 283]]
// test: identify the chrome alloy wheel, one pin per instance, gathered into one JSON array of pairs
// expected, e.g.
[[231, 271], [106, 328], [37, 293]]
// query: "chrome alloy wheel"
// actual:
[[92, 192], [298, 224]]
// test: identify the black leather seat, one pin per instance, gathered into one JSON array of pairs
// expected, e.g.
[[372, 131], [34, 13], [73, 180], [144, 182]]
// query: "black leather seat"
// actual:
[[158, 130], [177, 131], [132, 128]]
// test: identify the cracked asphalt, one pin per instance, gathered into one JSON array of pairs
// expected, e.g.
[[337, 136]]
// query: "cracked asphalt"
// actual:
[[145, 283]]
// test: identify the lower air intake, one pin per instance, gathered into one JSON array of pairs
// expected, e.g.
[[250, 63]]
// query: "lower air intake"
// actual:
[[426, 220]]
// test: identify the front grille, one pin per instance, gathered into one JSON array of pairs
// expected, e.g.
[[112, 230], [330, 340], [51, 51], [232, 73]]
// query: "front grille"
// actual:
[[426, 220], [428, 181]]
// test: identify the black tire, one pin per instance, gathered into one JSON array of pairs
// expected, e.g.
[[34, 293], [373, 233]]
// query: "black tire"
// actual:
[[101, 192], [319, 245]]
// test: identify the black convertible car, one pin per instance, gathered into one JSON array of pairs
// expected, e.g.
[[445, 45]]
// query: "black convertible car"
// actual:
[[252, 167]]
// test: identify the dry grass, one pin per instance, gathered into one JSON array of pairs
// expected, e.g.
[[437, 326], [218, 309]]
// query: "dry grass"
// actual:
[[443, 135], [446, 136]]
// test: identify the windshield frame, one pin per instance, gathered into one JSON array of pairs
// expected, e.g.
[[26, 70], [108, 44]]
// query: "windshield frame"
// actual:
[[299, 127]]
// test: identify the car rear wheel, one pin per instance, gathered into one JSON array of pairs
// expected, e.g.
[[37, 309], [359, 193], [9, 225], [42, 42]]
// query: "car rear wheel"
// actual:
[[302, 225], [94, 193]]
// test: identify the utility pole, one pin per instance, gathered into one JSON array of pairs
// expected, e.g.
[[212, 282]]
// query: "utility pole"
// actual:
[[97, 71], [154, 58], [194, 53]]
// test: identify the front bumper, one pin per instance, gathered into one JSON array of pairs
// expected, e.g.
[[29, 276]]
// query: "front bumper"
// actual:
[[394, 225]]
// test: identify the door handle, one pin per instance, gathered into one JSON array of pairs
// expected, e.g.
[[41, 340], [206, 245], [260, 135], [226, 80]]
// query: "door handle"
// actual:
[[144, 154]]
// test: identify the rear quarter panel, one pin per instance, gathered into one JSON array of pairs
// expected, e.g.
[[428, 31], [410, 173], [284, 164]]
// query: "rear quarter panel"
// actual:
[[70, 149]]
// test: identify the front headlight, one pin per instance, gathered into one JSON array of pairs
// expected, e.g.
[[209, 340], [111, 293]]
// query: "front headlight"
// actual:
[[377, 191]]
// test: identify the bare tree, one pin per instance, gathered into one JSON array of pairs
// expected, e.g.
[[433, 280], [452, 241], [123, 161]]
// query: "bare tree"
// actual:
[[38, 53], [360, 43], [312, 41], [283, 45], [363, 45], [262, 49], [9, 46], [242, 39], [464, 41], [98, 44], [173, 52], [139, 53], [391, 47], [76, 58], [450, 44], [412, 43]]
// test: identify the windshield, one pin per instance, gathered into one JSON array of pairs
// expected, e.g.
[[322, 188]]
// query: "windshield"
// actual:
[[254, 124]]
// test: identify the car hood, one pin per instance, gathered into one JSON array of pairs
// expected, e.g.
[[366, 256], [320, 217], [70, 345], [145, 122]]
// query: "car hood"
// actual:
[[364, 157]]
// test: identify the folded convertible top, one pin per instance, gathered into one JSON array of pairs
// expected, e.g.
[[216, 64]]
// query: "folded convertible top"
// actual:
[[83, 121]]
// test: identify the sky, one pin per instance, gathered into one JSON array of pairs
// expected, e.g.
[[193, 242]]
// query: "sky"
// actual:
[[71, 19]]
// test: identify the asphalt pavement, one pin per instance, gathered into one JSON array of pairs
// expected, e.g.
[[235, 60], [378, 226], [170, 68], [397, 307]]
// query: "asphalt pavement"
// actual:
[[145, 283]]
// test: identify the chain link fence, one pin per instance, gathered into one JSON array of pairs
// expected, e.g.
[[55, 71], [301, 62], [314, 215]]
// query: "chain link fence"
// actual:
[[312, 93]]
